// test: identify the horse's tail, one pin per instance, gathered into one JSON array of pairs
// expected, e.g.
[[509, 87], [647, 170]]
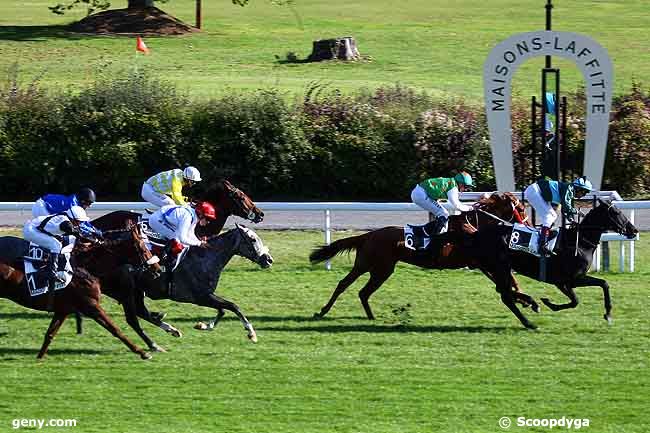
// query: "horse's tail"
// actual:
[[326, 252]]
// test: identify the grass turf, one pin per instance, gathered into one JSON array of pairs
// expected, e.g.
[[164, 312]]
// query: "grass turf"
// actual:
[[434, 45], [457, 361]]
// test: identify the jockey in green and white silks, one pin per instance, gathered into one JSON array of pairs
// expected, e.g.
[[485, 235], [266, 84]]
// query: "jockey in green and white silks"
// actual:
[[546, 195], [166, 187], [427, 193]]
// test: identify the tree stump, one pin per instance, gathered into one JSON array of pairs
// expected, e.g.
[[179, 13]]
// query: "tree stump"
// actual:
[[332, 49]]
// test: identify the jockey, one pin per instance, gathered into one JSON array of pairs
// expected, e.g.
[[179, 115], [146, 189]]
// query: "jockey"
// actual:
[[166, 188], [51, 204], [48, 231], [177, 223], [546, 195], [427, 193]]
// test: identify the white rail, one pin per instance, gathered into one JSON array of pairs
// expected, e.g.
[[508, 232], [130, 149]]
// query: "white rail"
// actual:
[[328, 207]]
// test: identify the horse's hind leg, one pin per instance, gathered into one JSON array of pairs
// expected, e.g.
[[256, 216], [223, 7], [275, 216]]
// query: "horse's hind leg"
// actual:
[[221, 304], [503, 280], [585, 281], [374, 283], [350, 278], [96, 313], [54, 327], [143, 312]]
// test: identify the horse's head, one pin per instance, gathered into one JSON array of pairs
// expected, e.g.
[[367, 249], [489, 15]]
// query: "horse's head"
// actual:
[[609, 217], [130, 245], [233, 200], [252, 247], [506, 206]]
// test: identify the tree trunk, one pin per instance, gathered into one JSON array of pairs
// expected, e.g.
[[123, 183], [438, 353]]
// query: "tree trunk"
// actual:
[[331, 49], [133, 4]]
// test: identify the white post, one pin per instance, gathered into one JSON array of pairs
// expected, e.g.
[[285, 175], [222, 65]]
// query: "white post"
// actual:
[[621, 256], [597, 259], [632, 243], [328, 235]]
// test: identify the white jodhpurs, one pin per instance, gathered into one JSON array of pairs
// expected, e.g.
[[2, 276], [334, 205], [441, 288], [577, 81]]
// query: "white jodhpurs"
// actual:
[[545, 214], [154, 197], [420, 198], [162, 229], [32, 234]]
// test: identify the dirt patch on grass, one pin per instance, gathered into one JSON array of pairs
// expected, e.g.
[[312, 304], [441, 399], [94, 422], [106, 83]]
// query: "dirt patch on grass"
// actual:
[[132, 22]]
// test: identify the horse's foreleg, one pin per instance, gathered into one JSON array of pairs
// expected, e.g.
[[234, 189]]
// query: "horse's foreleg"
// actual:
[[524, 299], [54, 327], [340, 288], [221, 304], [130, 312], [99, 315], [143, 312], [585, 281], [569, 292], [503, 280]]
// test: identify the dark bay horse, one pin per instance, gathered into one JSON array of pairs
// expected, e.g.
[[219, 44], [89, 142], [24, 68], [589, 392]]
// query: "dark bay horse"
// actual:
[[114, 273], [81, 295], [379, 251], [566, 269], [197, 276], [228, 200]]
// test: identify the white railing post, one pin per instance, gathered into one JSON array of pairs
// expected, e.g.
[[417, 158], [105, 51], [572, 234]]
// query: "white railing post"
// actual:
[[621, 257], [632, 243], [597, 254], [328, 235]]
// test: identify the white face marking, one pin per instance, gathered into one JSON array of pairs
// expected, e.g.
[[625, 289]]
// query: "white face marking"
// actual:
[[256, 241]]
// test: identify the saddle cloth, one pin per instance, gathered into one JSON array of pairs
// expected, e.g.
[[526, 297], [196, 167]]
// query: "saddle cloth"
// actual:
[[415, 239], [35, 261], [526, 239]]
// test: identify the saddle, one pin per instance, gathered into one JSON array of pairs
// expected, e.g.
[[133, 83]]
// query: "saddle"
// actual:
[[35, 273], [526, 239]]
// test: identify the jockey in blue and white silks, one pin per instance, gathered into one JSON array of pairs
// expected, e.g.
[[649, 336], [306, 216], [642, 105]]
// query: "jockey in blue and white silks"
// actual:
[[51, 204], [48, 231]]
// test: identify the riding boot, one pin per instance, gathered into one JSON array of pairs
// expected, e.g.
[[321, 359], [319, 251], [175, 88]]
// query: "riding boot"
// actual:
[[441, 223], [542, 246], [51, 268]]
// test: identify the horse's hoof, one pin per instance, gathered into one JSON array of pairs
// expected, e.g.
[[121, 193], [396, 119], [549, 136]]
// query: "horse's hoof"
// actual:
[[610, 320], [252, 336], [531, 326], [201, 326], [156, 348], [535, 308], [145, 355], [176, 333], [317, 316]]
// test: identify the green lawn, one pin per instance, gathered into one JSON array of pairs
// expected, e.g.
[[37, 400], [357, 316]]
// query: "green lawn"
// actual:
[[458, 365], [436, 45]]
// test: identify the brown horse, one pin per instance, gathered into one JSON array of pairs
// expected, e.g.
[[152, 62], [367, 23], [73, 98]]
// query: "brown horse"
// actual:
[[379, 251], [81, 295]]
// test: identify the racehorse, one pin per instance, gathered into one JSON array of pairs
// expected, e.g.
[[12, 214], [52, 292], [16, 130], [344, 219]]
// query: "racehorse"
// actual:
[[566, 269], [228, 199], [81, 295], [196, 277], [113, 271], [379, 251]]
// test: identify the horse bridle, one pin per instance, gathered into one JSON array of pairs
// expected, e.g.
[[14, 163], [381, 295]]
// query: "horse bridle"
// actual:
[[144, 262], [236, 196]]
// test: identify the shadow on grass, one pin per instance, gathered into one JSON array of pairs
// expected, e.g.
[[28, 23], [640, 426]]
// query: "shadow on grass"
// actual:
[[391, 329], [37, 33], [258, 319], [25, 315], [9, 351]]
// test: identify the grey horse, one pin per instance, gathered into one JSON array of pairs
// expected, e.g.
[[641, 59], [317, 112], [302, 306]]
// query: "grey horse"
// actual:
[[196, 277]]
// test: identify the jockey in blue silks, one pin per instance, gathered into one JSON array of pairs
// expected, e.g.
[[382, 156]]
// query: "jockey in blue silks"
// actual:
[[51, 204]]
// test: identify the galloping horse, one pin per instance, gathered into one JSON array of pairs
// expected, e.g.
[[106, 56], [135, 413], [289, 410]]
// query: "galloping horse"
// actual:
[[566, 269], [228, 200], [197, 276], [81, 295], [379, 251]]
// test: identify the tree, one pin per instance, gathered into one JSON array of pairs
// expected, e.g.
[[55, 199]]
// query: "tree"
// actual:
[[100, 5]]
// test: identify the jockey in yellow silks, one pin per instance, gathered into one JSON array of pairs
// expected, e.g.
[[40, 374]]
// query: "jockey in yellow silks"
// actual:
[[167, 187]]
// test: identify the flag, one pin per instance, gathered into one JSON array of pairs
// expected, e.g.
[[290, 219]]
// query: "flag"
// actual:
[[140, 46]]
